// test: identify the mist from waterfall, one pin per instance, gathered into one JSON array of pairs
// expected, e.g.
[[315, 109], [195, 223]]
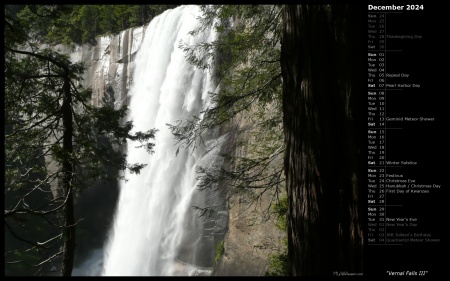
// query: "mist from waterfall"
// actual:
[[151, 220]]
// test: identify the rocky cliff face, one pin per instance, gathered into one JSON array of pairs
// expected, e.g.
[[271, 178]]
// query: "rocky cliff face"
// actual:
[[109, 65], [249, 235], [252, 235]]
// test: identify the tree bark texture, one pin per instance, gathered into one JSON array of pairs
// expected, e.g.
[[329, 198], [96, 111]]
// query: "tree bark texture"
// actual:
[[321, 60], [68, 250]]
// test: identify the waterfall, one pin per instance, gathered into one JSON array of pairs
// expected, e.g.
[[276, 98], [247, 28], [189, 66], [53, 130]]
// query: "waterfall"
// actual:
[[156, 232]]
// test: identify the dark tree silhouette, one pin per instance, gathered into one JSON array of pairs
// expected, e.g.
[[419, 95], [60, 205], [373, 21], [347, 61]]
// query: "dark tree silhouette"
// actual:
[[322, 85]]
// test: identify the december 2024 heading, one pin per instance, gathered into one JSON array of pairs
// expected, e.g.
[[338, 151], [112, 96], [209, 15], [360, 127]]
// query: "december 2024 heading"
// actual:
[[394, 8]]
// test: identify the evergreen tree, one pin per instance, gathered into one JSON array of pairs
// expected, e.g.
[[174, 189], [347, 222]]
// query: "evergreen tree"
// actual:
[[56, 143]]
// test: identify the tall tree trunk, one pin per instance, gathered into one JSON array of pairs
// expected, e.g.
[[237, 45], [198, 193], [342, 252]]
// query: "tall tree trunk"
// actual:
[[68, 170], [321, 63]]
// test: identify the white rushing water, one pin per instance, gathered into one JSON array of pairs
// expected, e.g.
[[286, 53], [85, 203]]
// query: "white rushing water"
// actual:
[[150, 220]]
